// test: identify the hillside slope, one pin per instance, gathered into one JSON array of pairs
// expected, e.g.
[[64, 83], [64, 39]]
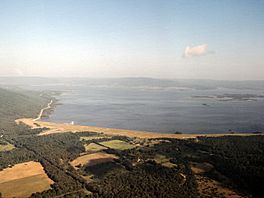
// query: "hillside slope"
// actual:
[[15, 105]]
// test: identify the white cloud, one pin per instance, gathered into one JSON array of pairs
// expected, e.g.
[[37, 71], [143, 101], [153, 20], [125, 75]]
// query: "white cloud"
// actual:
[[198, 50]]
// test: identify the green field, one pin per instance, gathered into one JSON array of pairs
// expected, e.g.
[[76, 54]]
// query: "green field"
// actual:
[[117, 144], [93, 147], [164, 161], [7, 147]]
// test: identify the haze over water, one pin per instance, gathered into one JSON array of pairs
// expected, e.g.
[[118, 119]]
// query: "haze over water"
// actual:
[[162, 106], [168, 106]]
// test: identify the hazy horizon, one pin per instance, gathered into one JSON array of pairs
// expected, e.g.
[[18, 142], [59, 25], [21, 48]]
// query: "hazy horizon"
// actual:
[[216, 40], [130, 77]]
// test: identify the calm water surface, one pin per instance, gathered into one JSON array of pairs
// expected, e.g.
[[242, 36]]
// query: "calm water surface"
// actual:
[[163, 110]]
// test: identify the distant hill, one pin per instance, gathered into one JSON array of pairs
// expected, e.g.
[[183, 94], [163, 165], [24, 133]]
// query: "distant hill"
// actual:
[[19, 104], [43, 83]]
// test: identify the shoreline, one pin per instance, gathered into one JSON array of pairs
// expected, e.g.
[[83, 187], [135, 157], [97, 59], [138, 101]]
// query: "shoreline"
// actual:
[[63, 128], [54, 128], [42, 110]]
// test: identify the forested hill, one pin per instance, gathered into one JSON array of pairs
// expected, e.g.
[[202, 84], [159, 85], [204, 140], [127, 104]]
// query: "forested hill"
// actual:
[[19, 104]]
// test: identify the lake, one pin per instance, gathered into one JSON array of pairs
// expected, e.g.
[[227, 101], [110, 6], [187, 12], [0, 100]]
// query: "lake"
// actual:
[[167, 106], [162, 109]]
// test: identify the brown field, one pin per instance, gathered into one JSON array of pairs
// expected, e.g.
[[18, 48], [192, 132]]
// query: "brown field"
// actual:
[[23, 179], [62, 128], [208, 186], [199, 168], [92, 159]]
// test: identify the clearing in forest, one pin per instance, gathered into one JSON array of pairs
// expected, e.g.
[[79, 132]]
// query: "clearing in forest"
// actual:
[[93, 147], [23, 179], [94, 137], [208, 187], [164, 161], [117, 144], [92, 159], [6, 147]]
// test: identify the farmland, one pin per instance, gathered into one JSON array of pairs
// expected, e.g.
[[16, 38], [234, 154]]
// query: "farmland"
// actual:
[[92, 159], [164, 161], [93, 147], [6, 147], [117, 144], [23, 179]]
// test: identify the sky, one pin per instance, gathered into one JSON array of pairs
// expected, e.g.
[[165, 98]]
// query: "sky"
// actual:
[[199, 39]]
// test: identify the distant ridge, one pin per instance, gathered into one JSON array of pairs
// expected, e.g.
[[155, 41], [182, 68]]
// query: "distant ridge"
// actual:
[[135, 81], [16, 104]]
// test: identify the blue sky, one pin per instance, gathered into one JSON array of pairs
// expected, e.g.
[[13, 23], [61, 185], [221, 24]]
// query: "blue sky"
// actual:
[[205, 39]]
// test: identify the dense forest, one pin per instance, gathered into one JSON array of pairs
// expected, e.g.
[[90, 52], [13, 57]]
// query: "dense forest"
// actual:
[[153, 168], [240, 159]]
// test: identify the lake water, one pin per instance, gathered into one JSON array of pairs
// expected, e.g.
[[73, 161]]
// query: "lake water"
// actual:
[[189, 106], [163, 109]]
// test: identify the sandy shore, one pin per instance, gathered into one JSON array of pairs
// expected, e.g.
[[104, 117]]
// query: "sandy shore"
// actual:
[[62, 128]]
